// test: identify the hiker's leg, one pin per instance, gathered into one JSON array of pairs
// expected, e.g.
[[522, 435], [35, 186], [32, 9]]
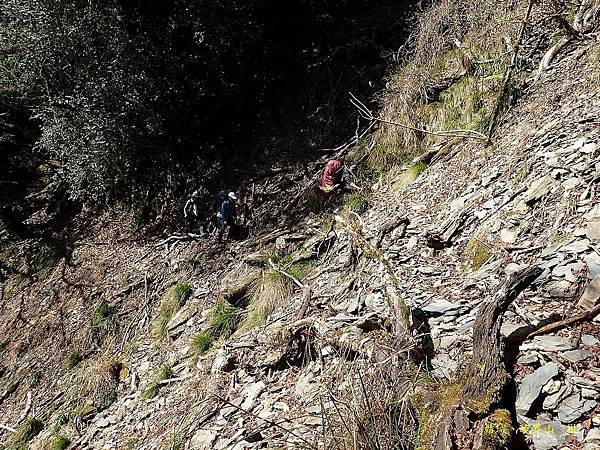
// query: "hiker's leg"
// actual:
[[221, 229]]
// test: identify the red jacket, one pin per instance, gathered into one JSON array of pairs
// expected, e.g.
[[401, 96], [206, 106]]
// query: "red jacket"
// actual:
[[331, 174]]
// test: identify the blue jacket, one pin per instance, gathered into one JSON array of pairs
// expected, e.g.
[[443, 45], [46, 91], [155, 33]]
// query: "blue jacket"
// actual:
[[227, 210]]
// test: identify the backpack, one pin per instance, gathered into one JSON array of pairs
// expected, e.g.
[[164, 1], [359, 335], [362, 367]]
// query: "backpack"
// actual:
[[219, 199]]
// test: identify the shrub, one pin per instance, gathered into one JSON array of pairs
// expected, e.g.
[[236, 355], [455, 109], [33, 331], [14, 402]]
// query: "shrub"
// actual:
[[224, 320], [173, 300], [132, 443], [163, 373], [73, 359], [104, 320], [355, 203], [60, 443], [25, 433], [441, 86], [202, 342], [95, 382]]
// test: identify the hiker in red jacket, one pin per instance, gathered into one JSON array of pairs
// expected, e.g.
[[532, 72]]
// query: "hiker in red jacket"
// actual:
[[335, 176]]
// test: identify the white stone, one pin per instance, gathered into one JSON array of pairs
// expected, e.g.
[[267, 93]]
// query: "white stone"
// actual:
[[508, 236], [593, 231]]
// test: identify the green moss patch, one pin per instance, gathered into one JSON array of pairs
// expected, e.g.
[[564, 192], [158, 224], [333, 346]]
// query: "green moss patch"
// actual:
[[476, 255]]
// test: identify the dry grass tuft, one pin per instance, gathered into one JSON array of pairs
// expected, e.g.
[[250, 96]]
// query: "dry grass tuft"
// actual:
[[173, 300], [95, 382], [367, 405], [453, 77]]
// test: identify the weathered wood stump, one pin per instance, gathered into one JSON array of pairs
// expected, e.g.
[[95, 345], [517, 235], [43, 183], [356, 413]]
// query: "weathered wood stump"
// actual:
[[479, 414]]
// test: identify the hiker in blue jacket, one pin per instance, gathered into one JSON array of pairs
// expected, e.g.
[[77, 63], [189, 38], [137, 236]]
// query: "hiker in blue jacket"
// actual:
[[227, 214]]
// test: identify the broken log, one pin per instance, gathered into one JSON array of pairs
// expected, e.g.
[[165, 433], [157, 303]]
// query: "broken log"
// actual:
[[488, 374], [556, 326], [484, 383]]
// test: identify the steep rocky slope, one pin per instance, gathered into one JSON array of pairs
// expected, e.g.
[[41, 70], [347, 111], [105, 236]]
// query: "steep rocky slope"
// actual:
[[296, 336]]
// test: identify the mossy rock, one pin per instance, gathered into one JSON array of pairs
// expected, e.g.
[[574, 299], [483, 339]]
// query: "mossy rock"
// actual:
[[497, 430], [477, 254]]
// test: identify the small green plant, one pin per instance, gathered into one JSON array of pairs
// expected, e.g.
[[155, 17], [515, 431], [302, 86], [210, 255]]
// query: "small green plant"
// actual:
[[95, 383], [60, 443], [418, 168], [202, 342], [61, 419], [173, 300], [25, 433], [163, 373], [175, 442], [104, 320], [4, 344], [224, 320], [34, 377], [73, 359], [356, 203], [191, 264], [406, 178], [132, 443], [498, 429]]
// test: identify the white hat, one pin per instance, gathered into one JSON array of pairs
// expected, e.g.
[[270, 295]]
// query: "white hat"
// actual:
[[232, 196]]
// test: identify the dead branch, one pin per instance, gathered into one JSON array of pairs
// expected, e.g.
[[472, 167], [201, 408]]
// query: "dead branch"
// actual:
[[552, 327], [487, 376], [509, 72], [390, 226], [284, 273], [489, 370], [26, 409], [178, 237], [367, 114]]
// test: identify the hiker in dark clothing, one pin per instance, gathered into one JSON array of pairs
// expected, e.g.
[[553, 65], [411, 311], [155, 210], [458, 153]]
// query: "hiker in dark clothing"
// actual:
[[227, 214], [191, 210]]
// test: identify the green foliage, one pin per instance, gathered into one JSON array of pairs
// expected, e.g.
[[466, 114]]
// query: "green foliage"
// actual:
[[497, 430], [34, 377], [418, 168], [224, 320], [73, 359], [60, 443], [25, 433], [407, 177], [163, 373], [175, 442], [4, 344], [132, 443], [191, 264], [104, 321], [476, 255], [300, 270], [173, 300], [61, 419], [356, 203], [202, 342]]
